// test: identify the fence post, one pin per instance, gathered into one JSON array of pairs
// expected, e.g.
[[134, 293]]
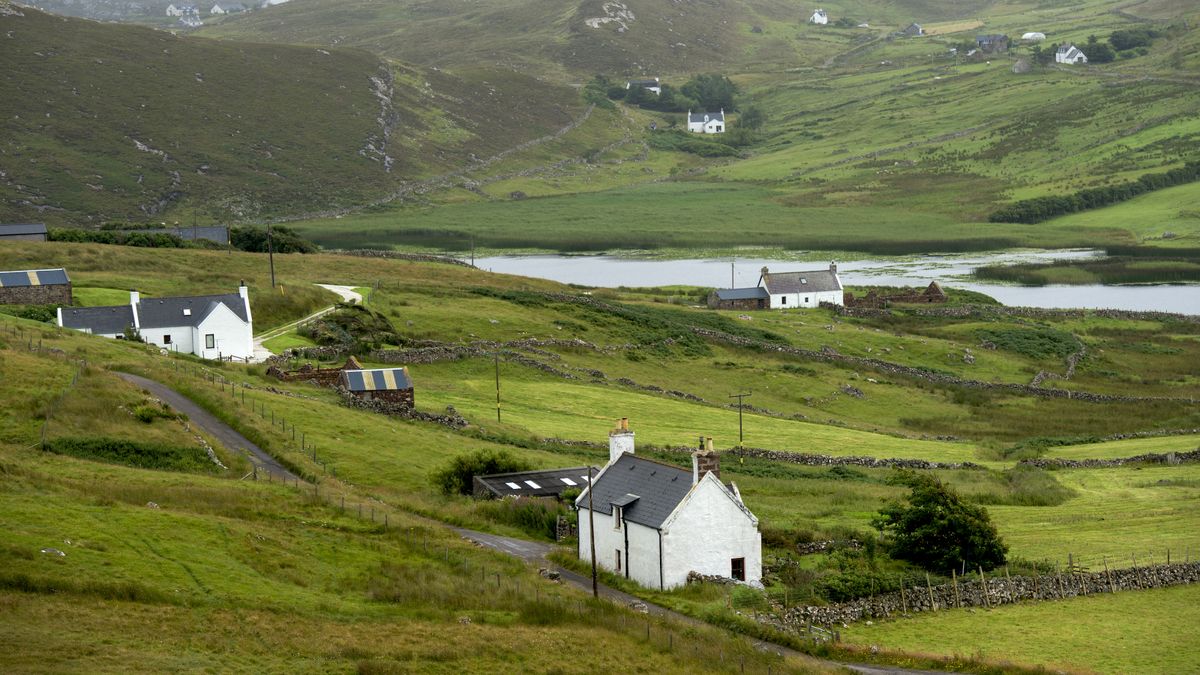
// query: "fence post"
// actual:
[[903, 598], [929, 586], [983, 582], [1108, 575], [954, 579]]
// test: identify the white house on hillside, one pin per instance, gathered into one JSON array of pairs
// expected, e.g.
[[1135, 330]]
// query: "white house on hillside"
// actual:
[[819, 17], [787, 290], [655, 522], [209, 326], [706, 123], [1069, 54], [654, 86]]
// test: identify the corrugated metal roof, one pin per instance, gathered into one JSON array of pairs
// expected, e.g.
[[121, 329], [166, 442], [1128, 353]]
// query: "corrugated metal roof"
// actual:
[[756, 293], [659, 489], [101, 320], [49, 277], [380, 379], [802, 282], [15, 229], [550, 482]]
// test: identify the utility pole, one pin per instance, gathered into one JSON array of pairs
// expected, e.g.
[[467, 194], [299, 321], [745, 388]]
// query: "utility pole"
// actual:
[[271, 254], [497, 357], [739, 397], [592, 536], [472, 251], [732, 283]]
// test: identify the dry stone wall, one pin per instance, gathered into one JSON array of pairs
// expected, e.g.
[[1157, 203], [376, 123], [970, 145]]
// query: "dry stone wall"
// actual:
[[1148, 458], [990, 592]]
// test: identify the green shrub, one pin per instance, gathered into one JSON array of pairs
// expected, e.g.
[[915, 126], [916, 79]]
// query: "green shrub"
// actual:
[[1037, 343], [537, 516], [458, 476]]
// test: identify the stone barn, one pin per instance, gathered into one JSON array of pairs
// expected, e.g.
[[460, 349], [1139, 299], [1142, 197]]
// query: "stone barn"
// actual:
[[380, 384], [35, 287]]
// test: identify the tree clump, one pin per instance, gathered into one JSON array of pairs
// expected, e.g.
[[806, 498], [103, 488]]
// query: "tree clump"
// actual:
[[458, 476], [937, 530]]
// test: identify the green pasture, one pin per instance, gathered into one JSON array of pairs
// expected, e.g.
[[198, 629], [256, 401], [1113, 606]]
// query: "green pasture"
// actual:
[[1137, 632]]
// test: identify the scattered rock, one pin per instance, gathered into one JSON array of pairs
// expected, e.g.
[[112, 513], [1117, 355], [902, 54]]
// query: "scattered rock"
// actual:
[[151, 505], [54, 551]]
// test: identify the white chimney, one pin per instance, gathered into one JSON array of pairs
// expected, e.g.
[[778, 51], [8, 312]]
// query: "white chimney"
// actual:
[[620, 440], [833, 266], [243, 291], [134, 297]]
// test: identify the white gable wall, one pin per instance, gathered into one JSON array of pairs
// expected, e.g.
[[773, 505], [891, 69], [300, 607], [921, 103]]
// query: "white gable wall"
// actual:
[[231, 335], [706, 532]]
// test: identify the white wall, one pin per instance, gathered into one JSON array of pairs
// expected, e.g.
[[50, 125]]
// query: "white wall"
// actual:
[[805, 300], [232, 335], [639, 560], [181, 338], [706, 533]]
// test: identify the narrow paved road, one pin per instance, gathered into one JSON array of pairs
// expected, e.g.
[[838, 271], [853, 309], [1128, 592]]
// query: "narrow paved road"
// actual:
[[535, 552], [261, 353], [228, 437]]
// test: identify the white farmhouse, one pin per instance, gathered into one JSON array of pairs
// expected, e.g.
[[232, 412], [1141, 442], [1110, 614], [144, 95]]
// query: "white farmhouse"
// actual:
[[1033, 36], [209, 326], [173, 10], [706, 123], [1069, 54], [819, 17], [655, 523]]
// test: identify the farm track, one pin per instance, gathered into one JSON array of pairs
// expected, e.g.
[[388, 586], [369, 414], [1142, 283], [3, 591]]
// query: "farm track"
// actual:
[[225, 434]]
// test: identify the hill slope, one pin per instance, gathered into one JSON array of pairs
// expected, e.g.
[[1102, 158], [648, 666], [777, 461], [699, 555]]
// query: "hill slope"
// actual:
[[118, 122]]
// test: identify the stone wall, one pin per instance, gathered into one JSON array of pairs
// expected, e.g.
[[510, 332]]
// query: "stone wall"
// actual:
[[1170, 458], [990, 592], [808, 459], [48, 294], [450, 418]]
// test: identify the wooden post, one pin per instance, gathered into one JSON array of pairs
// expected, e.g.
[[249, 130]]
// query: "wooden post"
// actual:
[[929, 586], [954, 579], [1108, 575], [983, 582], [1008, 578], [903, 598]]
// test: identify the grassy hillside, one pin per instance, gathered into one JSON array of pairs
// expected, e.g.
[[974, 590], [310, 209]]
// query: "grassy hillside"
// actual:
[[294, 564], [107, 122]]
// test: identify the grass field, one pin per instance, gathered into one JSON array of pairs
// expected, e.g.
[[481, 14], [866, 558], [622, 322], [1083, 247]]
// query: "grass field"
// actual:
[[1153, 642]]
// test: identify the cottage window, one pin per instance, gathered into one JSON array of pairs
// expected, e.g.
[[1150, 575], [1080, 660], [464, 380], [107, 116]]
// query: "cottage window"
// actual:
[[617, 517], [737, 569], [806, 299], [167, 339], [618, 552], [783, 300], [210, 341]]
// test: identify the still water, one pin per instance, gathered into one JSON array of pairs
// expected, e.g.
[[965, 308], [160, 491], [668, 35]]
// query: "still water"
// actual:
[[609, 271]]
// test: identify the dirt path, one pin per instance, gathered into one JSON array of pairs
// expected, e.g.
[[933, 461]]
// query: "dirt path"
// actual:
[[535, 553], [261, 353], [225, 434]]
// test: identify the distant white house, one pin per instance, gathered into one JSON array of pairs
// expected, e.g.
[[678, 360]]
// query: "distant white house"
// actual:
[[173, 10], [706, 122], [655, 523], [654, 85], [1069, 54], [819, 17], [1033, 37], [786, 290], [209, 326], [227, 8], [189, 21]]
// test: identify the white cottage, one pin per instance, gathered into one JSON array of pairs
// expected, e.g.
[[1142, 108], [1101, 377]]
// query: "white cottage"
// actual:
[[654, 86], [802, 289], [1069, 54], [209, 326], [706, 122], [819, 17], [655, 523]]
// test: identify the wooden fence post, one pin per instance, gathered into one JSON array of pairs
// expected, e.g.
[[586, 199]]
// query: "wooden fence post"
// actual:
[[929, 587], [983, 582], [954, 580]]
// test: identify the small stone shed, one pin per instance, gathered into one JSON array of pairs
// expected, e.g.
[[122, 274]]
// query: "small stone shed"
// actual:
[[379, 384], [35, 287]]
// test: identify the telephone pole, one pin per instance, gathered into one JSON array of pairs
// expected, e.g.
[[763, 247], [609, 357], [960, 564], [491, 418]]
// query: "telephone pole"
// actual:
[[497, 357], [739, 397], [271, 254]]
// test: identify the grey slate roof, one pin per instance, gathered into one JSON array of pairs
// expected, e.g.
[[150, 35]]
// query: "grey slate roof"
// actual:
[[755, 293], [56, 276], [100, 320], [379, 379], [802, 282], [169, 312], [698, 118], [659, 489], [15, 229], [550, 482]]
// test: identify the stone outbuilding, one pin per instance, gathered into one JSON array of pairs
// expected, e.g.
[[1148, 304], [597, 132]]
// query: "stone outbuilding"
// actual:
[[35, 287], [379, 384], [655, 523]]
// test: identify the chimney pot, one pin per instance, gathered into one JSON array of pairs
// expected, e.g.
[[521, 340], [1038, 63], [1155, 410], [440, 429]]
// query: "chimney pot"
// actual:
[[620, 440]]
